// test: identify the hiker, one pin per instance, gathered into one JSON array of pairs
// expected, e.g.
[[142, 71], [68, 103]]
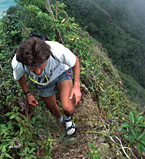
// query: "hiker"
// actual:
[[48, 65]]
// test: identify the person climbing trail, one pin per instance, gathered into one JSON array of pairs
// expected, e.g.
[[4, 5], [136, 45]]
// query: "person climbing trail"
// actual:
[[49, 65]]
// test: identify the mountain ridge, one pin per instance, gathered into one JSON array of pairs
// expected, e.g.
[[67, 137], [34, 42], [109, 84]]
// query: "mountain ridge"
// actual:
[[123, 37], [32, 131]]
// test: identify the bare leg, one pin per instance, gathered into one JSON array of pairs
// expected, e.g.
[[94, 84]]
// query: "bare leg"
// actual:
[[52, 105], [64, 89]]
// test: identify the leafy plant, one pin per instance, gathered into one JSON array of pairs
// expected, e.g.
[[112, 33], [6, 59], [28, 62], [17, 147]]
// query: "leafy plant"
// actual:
[[93, 154], [18, 137], [97, 74], [122, 37], [134, 131]]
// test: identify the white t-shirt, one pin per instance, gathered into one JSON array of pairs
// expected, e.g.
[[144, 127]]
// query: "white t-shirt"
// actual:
[[63, 60]]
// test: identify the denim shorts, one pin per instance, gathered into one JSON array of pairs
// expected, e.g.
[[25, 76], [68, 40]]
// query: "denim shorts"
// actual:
[[51, 89]]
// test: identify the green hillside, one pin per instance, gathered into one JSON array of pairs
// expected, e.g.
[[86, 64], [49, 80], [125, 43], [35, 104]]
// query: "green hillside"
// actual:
[[119, 26], [109, 124]]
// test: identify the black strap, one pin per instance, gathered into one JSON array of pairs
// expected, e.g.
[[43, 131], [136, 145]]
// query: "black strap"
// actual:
[[70, 127], [68, 119], [41, 36], [26, 92]]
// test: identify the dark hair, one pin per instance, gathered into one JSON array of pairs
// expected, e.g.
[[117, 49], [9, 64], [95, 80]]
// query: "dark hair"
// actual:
[[33, 52]]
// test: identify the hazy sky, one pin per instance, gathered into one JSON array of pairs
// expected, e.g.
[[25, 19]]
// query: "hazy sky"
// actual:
[[137, 5], [4, 5]]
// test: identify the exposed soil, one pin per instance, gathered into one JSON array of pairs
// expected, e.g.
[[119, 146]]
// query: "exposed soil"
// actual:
[[91, 135], [77, 147]]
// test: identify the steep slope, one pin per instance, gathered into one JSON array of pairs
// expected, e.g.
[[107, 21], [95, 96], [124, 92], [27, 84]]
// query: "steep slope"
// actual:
[[119, 29], [31, 132]]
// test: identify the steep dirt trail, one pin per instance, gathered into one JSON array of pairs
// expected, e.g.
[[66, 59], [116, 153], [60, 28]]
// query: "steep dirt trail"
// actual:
[[77, 147]]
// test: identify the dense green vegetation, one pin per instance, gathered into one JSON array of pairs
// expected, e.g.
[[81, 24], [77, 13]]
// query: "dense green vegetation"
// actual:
[[25, 131], [119, 26]]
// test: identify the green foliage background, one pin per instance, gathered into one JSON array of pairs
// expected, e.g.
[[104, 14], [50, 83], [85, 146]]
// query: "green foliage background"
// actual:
[[22, 137], [119, 26]]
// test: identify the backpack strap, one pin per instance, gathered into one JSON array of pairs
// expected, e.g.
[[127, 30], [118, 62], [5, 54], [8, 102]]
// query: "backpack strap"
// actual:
[[41, 36]]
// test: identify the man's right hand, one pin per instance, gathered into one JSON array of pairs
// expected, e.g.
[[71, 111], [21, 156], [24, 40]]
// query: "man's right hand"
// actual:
[[31, 100]]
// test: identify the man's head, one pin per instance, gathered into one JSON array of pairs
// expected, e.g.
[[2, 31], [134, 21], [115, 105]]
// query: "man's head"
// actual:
[[33, 52]]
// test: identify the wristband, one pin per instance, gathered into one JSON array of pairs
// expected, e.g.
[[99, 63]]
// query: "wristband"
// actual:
[[26, 92]]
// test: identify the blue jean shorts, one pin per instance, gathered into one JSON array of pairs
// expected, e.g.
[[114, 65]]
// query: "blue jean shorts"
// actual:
[[51, 89]]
